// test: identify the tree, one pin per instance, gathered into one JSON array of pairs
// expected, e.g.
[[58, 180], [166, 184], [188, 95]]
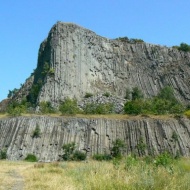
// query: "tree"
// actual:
[[184, 47]]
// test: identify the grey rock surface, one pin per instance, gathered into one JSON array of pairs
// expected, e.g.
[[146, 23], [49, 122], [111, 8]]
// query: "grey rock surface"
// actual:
[[83, 62], [92, 135]]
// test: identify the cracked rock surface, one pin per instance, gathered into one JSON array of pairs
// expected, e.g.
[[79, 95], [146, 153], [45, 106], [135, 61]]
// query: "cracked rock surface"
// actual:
[[92, 136]]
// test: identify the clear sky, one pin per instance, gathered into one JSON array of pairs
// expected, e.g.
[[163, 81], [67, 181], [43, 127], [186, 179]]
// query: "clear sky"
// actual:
[[25, 24]]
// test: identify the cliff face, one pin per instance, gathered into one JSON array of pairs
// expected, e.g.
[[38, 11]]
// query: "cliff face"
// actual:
[[82, 61], [92, 136]]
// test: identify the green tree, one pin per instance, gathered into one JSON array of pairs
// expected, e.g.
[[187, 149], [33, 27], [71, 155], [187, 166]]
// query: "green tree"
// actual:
[[184, 47]]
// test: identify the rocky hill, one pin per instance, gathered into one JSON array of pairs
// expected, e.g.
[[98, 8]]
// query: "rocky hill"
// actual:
[[73, 61]]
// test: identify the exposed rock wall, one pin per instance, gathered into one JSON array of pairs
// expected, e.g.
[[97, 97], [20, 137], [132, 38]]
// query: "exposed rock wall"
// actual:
[[85, 62], [92, 135]]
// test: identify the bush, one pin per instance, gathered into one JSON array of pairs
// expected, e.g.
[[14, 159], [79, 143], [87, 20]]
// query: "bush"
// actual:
[[68, 151], [88, 95], [46, 107], [164, 103], [134, 107], [106, 94], [36, 132], [136, 94], [164, 159], [78, 155], [69, 107], [184, 47], [118, 148], [93, 108], [3, 154], [71, 154], [31, 158], [101, 157]]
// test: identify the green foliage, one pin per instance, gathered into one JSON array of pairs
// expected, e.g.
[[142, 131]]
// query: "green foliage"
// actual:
[[175, 136], [46, 68], [12, 92], [3, 154], [46, 107], [69, 107], [36, 132], [184, 47], [51, 72], [128, 94], [34, 92], [130, 162], [101, 157], [106, 94], [93, 108], [164, 159], [141, 146], [16, 108], [68, 151], [88, 95], [164, 103], [71, 154], [134, 107], [132, 40], [78, 155], [136, 94], [118, 148], [31, 158], [167, 93]]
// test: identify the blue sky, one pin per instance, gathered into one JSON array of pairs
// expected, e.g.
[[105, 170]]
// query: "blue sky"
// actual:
[[25, 24]]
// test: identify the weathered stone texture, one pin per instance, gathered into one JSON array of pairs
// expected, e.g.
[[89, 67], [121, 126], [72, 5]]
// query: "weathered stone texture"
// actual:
[[85, 62], [92, 135]]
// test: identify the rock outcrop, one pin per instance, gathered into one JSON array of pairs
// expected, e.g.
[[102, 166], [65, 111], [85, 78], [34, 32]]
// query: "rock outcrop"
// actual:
[[80, 61], [92, 135]]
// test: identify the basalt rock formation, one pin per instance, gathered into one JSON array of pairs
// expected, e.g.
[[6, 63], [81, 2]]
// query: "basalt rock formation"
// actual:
[[73, 61], [142, 136]]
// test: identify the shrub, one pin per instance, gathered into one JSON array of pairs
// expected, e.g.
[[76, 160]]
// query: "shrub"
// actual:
[[101, 157], [88, 95], [136, 93], [141, 146], [36, 132], [3, 154], [106, 94], [93, 108], [164, 159], [31, 158], [46, 107], [184, 47], [118, 148], [78, 155], [69, 107], [68, 151], [175, 136], [134, 107], [128, 94]]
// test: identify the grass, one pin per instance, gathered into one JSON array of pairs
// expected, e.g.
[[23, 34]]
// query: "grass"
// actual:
[[96, 116], [122, 174]]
